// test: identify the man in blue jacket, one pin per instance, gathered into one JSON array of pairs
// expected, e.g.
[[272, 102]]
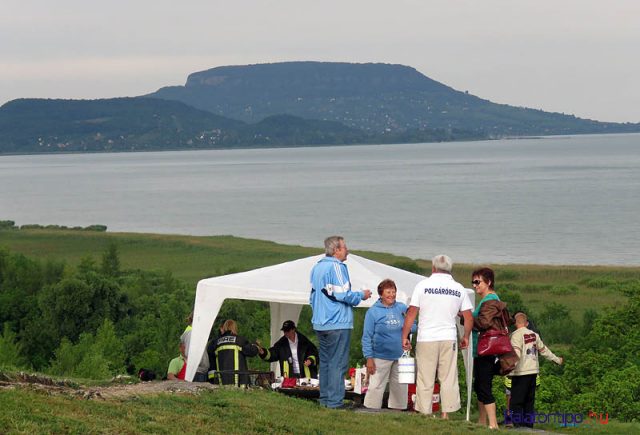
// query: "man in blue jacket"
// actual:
[[332, 301]]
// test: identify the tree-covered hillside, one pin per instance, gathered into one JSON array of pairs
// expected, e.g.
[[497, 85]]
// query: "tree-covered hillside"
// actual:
[[376, 98], [142, 124], [150, 124]]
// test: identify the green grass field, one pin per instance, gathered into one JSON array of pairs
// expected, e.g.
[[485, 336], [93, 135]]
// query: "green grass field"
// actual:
[[192, 258], [220, 411], [225, 410], [189, 258]]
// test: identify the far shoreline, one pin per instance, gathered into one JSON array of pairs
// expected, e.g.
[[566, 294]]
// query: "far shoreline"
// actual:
[[272, 147]]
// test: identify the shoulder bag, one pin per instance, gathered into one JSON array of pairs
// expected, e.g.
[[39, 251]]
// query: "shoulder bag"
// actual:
[[495, 341]]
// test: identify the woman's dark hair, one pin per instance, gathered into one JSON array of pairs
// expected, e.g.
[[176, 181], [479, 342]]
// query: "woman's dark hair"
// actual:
[[386, 283], [486, 274]]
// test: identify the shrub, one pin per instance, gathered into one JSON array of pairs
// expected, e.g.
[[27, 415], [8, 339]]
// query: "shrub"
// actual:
[[599, 282], [507, 275], [618, 393], [409, 266], [564, 289], [588, 319], [151, 359], [93, 357], [535, 288], [556, 325], [8, 225], [10, 350], [96, 227]]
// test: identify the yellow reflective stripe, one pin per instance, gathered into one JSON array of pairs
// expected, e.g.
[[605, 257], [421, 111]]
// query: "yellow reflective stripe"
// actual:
[[218, 369], [285, 369], [307, 372], [268, 355], [236, 364], [228, 347], [188, 328]]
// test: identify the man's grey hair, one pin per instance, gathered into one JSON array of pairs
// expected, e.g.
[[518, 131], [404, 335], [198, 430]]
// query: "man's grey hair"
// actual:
[[331, 244], [442, 263]]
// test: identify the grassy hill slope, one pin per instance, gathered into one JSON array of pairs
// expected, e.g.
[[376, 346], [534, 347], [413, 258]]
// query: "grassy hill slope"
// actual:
[[38, 409], [224, 410]]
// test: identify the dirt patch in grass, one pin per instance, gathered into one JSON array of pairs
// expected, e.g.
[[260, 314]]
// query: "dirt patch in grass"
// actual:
[[122, 387]]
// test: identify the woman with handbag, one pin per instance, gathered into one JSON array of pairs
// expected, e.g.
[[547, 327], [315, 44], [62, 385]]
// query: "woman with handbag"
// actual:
[[485, 367]]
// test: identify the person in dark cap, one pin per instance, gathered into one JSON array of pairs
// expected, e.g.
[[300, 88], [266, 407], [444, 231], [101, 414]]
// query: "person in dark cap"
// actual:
[[297, 355]]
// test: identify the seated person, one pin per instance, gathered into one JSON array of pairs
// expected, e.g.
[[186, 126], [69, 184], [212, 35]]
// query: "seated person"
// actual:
[[203, 367], [177, 366], [297, 355], [230, 352]]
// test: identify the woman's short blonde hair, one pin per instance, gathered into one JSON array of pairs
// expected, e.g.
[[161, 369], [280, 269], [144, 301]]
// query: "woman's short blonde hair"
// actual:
[[231, 326]]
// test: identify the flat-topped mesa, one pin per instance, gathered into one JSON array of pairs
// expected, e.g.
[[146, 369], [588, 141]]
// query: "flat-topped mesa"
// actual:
[[317, 78]]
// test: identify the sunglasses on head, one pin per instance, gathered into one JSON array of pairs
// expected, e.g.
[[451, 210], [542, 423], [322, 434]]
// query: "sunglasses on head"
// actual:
[[476, 282]]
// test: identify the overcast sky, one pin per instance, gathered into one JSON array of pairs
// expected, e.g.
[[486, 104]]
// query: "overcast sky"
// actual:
[[573, 56]]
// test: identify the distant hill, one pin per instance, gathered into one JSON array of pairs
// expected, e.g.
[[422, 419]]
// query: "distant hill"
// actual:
[[280, 104], [376, 98], [136, 124], [120, 124], [145, 124]]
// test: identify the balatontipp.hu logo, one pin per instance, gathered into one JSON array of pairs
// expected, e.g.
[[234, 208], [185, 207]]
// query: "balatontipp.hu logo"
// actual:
[[560, 418]]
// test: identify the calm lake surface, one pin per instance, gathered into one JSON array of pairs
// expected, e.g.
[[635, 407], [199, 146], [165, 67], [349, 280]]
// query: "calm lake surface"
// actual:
[[557, 200]]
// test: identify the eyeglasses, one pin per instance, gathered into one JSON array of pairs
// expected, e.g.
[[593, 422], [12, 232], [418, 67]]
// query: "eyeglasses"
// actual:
[[476, 282]]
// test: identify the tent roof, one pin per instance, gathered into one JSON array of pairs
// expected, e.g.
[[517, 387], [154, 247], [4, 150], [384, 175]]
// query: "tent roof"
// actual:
[[290, 282]]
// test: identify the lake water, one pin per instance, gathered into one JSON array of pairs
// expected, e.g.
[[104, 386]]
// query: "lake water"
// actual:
[[557, 200]]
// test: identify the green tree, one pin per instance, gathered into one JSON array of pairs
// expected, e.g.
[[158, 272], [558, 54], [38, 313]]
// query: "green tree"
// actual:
[[98, 356], [66, 306], [603, 369], [588, 319], [556, 324], [111, 261], [110, 347], [10, 349]]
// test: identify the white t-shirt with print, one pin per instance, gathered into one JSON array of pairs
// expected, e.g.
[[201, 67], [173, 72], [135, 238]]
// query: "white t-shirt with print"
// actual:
[[440, 298]]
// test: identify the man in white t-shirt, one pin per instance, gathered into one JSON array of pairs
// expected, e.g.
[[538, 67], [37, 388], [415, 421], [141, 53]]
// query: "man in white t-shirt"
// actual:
[[440, 300]]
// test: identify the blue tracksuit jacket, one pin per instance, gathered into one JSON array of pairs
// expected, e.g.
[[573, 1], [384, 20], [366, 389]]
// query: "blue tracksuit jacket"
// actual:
[[331, 297]]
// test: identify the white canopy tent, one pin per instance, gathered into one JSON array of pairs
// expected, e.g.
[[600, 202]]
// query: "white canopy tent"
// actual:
[[286, 287]]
